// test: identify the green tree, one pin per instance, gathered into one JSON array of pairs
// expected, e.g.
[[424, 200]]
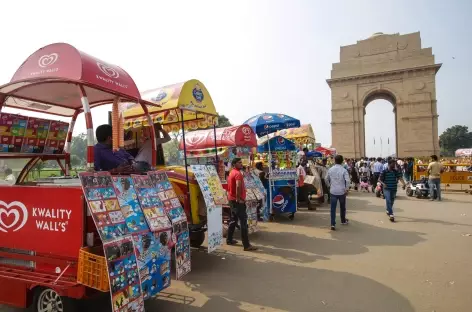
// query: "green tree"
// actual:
[[40, 165], [78, 150], [223, 121], [454, 138]]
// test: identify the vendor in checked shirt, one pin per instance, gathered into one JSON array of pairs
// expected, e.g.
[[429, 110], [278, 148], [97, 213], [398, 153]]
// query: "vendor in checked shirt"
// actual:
[[389, 179]]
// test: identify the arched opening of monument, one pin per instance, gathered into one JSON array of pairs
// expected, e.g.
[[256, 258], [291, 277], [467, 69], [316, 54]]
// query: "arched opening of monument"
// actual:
[[380, 126]]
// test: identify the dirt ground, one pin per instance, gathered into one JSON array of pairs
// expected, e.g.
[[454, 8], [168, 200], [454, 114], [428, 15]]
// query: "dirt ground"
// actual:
[[420, 263]]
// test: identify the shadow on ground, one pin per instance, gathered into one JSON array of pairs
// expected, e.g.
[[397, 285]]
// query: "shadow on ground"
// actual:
[[246, 279], [286, 287]]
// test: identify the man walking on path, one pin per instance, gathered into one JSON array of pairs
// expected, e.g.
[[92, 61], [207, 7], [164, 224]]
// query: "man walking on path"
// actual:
[[389, 179], [338, 181], [237, 202], [434, 171]]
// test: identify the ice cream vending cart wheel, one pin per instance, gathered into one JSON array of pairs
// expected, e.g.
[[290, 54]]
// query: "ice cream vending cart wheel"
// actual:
[[48, 300]]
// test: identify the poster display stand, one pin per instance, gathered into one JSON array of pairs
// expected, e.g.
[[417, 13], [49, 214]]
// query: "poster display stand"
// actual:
[[214, 196], [125, 286], [254, 197], [103, 205], [153, 257], [262, 190], [120, 208], [176, 214]]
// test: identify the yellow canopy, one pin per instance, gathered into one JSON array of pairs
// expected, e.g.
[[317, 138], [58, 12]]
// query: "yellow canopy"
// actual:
[[302, 135], [190, 96]]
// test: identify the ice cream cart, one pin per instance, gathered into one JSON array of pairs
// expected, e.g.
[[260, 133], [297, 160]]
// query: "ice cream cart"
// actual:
[[183, 106], [280, 155], [46, 229]]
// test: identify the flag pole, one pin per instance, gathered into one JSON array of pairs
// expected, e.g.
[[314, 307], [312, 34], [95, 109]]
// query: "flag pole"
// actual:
[[381, 147]]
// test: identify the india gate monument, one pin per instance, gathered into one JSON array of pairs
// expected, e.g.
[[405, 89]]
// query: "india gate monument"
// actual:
[[394, 68]]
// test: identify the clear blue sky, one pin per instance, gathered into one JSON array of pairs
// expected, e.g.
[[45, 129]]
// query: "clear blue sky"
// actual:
[[253, 56]]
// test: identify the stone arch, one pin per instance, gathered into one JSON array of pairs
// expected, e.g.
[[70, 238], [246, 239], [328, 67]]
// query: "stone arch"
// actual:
[[379, 94], [395, 68]]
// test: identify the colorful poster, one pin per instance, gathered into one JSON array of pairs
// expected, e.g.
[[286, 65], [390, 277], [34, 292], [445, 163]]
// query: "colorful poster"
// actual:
[[103, 205], [129, 204], [166, 194], [264, 210], [153, 258], [182, 249], [201, 174], [251, 210], [215, 228], [12, 132], [216, 189], [251, 185], [56, 138], [125, 286], [214, 211]]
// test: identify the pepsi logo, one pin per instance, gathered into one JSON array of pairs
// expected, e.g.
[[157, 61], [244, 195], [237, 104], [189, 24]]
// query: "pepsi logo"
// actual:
[[279, 202], [280, 140]]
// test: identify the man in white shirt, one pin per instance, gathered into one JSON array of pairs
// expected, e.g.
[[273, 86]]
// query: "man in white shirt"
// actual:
[[9, 177], [338, 180], [145, 152]]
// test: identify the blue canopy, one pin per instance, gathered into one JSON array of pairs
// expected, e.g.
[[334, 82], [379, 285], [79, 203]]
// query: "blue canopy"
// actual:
[[277, 143], [266, 123], [315, 154]]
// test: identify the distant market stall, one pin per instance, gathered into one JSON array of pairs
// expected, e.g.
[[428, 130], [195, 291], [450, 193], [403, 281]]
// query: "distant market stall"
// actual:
[[203, 147], [302, 137], [326, 151], [464, 152], [184, 106]]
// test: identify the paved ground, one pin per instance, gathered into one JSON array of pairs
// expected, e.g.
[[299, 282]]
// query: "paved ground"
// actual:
[[421, 263]]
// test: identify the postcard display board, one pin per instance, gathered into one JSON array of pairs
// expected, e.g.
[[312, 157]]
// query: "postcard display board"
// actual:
[[254, 196], [138, 259], [214, 196], [178, 218], [22, 134]]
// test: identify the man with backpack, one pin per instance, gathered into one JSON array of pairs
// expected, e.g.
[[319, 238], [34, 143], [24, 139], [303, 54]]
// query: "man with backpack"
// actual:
[[389, 179]]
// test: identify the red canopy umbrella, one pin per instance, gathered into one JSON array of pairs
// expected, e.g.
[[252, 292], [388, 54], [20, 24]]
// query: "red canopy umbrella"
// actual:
[[241, 136], [61, 80], [323, 150]]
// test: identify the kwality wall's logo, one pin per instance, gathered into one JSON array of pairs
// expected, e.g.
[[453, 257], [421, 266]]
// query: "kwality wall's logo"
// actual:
[[45, 63], [14, 216], [108, 70], [111, 74], [48, 60]]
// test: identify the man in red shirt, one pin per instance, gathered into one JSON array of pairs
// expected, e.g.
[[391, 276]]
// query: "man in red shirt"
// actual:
[[237, 198]]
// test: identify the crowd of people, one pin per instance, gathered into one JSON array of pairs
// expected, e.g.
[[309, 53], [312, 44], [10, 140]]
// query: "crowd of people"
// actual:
[[339, 176]]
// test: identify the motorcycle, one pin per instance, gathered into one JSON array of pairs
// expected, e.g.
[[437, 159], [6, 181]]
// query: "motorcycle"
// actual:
[[420, 189]]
